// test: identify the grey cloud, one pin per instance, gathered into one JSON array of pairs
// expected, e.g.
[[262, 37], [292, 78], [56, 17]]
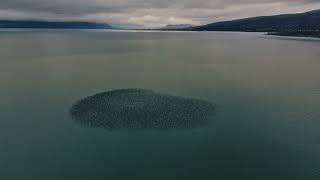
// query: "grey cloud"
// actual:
[[149, 12]]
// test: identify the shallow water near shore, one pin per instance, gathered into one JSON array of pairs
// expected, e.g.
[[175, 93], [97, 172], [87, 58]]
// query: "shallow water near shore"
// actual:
[[266, 91]]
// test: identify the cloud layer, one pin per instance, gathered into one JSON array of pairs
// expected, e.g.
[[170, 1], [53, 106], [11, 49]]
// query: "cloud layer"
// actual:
[[150, 13]]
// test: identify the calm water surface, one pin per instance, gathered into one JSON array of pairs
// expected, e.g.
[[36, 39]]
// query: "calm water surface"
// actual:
[[267, 93]]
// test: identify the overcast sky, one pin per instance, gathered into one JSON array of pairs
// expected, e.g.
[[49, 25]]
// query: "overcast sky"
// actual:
[[150, 13]]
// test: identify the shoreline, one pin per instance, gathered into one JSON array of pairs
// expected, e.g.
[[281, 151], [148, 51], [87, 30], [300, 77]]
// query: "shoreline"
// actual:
[[313, 34]]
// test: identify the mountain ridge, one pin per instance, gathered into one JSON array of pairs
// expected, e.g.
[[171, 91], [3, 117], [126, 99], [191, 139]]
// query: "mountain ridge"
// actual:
[[41, 24], [176, 26], [307, 21]]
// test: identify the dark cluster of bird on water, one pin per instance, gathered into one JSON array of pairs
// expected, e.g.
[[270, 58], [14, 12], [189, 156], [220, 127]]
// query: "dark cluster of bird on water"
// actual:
[[141, 109]]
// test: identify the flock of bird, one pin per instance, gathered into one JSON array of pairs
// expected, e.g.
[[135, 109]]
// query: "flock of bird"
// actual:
[[141, 109]]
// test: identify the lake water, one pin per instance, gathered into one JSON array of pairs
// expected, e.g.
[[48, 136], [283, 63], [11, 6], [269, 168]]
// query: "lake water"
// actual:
[[266, 91]]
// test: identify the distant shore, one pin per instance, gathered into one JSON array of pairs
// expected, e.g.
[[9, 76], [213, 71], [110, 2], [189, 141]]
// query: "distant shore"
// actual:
[[315, 34]]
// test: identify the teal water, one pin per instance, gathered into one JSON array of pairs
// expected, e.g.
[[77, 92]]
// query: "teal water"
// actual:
[[266, 90]]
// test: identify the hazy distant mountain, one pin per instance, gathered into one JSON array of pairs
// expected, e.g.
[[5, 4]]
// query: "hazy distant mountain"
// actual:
[[52, 24], [176, 26], [309, 21]]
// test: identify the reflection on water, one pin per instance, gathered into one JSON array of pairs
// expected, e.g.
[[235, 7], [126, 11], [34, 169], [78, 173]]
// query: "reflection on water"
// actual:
[[266, 125]]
